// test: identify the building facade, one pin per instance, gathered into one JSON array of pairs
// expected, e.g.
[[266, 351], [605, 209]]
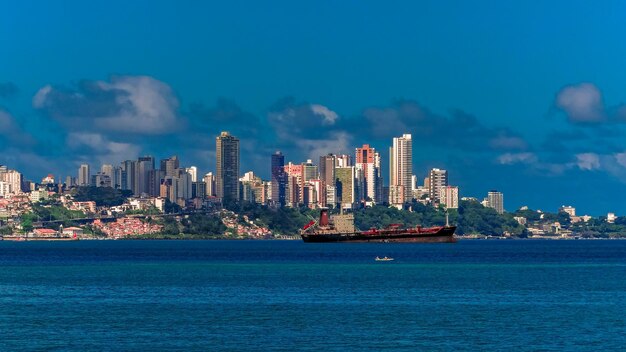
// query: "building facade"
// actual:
[[279, 182], [401, 167], [227, 168], [437, 179], [495, 200]]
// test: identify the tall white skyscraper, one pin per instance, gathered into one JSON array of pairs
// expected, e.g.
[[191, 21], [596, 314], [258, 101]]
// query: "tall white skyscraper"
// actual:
[[401, 168], [193, 171], [84, 175]]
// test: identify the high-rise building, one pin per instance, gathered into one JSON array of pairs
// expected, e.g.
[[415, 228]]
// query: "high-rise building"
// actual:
[[209, 181], [145, 164], [309, 171], [193, 171], [279, 181], [495, 200], [12, 181], [116, 180], [449, 197], [184, 185], [368, 160], [401, 167], [170, 166], [154, 182], [128, 175], [295, 182], [107, 169], [100, 179], [345, 187], [327, 178], [227, 175], [84, 176], [198, 190], [343, 160], [70, 181], [437, 178]]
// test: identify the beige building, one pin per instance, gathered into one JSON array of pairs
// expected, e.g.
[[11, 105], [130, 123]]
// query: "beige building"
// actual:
[[345, 186], [401, 167], [449, 197]]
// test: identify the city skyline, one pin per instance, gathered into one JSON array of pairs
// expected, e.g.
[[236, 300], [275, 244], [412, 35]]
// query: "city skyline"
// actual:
[[134, 175], [513, 99]]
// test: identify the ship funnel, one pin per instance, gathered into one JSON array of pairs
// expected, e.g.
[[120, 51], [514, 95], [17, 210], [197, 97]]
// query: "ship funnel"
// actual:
[[324, 217]]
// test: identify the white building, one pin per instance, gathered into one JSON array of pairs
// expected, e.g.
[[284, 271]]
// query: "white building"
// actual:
[[13, 179], [568, 209], [401, 168], [209, 180], [449, 197], [193, 171], [610, 218], [495, 200], [84, 175]]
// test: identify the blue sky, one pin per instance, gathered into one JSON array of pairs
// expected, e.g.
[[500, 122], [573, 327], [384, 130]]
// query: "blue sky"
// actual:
[[524, 97]]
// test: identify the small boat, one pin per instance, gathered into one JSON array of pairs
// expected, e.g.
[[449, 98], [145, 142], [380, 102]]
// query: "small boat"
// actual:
[[383, 259]]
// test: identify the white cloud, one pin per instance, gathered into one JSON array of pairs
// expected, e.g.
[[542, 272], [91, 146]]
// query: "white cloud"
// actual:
[[582, 103], [338, 142], [39, 100], [6, 122], [588, 161], [129, 104], [100, 147], [329, 116], [515, 158], [508, 142], [621, 158]]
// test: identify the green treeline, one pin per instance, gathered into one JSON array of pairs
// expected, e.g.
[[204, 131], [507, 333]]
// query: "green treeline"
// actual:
[[103, 196], [196, 225], [470, 218]]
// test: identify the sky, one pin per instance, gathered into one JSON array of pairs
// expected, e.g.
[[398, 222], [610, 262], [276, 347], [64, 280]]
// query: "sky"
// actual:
[[526, 97]]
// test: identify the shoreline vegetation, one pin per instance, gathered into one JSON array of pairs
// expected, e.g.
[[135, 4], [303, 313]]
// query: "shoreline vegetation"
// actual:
[[245, 220]]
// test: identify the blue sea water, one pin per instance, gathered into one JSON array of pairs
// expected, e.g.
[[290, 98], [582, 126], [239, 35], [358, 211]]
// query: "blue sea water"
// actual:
[[288, 295]]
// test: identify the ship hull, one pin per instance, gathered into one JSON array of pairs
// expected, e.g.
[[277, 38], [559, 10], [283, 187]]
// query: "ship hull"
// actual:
[[444, 235]]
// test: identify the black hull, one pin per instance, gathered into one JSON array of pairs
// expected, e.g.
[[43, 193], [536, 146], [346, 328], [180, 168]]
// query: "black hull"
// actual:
[[445, 235]]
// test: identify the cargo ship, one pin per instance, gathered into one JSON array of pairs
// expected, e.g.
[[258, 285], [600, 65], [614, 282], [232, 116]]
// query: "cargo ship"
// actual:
[[340, 228]]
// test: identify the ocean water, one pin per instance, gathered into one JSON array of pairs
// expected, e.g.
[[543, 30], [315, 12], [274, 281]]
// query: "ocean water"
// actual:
[[288, 295]]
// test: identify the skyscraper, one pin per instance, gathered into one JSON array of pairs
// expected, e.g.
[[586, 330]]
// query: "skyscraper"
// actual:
[[170, 166], [145, 164], [327, 178], [227, 157], [193, 171], [368, 160], [279, 182], [345, 186], [84, 176], [495, 200], [436, 179], [295, 177], [129, 175], [401, 168], [209, 180]]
